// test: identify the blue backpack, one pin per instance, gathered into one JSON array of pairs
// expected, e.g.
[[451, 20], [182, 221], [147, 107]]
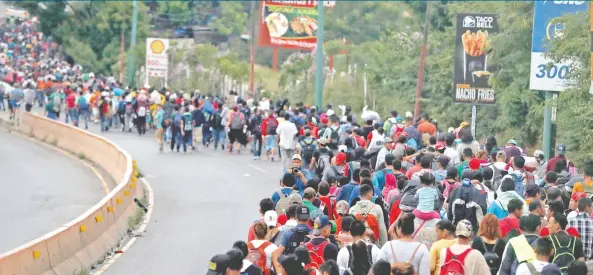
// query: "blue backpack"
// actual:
[[177, 119], [121, 108], [83, 103], [412, 143], [519, 186]]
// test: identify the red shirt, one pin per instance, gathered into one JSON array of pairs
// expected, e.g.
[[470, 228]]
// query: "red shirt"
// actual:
[[413, 170], [570, 230], [361, 142], [71, 100], [507, 224], [552, 162], [264, 125]]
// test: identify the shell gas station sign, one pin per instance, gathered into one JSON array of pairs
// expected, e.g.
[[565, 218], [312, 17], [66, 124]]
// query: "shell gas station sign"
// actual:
[[157, 58]]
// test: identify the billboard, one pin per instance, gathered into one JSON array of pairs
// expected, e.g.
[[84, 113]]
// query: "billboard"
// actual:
[[472, 48], [543, 77], [289, 24], [157, 58]]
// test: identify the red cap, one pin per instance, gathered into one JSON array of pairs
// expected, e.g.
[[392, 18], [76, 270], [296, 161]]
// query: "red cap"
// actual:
[[340, 158], [324, 120], [439, 147], [474, 164]]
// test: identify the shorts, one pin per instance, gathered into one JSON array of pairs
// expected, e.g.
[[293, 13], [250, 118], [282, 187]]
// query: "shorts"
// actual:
[[14, 104], [237, 135], [270, 142]]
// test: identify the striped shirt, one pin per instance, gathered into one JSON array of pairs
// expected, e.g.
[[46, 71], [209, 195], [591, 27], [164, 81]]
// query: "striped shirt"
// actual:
[[584, 224], [426, 197]]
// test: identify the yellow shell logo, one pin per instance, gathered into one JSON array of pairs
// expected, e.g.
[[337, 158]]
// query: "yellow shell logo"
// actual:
[[157, 46]]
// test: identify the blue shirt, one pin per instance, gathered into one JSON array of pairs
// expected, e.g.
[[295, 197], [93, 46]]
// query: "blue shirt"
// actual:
[[300, 185], [286, 235], [345, 192], [286, 191], [379, 178], [497, 210], [356, 193]]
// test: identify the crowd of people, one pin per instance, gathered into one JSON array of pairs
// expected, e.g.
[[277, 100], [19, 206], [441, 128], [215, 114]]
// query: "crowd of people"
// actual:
[[400, 196], [383, 196]]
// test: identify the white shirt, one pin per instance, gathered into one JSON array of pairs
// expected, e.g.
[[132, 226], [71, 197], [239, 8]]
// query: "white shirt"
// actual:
[[268, 250], [522, 269], [344, 257], [286, 131], [453, 155], [289, 223]]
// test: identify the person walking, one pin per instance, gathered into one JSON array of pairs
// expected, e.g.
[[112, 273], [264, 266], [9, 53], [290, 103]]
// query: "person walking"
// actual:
[[236, 122], [286, 134], [161, 125]]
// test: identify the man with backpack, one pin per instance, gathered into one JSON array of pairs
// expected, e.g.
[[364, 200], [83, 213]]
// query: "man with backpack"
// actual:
[[321, 158], [84, 109], [319, 247], [260, 250], [460, 258], [371, 214], [255, 125], [544, 250], [331, 133], [308, 145], [521, 176], [294, 237], [466, 202], [280, 197], [518, 249], [268, 132], [236, 122], [380, 176], [177, 118], [218, 129], [348, 260], [566, 248], [128, 115], [337, 170]]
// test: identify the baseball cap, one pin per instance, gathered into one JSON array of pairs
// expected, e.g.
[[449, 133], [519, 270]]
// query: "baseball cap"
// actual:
[[303, 213], [474, 164], [387, 140], [444, 160], [409, 114], [319, 224], [561, 149], [295, 199], [309, 193], [235, 259], [324, 120], [342, 148], [297, 156], [532, 187], [439, 146], [218, 264], [512, 141], [322, 141], [342, 207], [340, 158], [271, 218], [464, 229], [551, 269]]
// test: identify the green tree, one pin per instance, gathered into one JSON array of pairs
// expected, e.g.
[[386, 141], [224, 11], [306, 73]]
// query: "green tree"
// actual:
[[231, 20], [179, 12]]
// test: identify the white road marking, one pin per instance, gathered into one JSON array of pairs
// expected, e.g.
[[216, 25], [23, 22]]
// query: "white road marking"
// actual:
[[258, 168]]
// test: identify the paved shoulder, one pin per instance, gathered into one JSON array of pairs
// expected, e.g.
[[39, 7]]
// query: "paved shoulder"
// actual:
[[41, 190]]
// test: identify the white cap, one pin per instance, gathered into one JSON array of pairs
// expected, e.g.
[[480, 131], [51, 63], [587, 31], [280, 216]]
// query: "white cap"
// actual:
[[271, 218], [342, 148], [329, 112], [409, 114], [91, 75]]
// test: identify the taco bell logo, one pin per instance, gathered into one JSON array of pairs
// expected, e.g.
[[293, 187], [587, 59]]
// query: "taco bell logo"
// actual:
[[469, 22], [560, 2]]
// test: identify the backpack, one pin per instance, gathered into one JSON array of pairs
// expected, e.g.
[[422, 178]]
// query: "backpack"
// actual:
[[334, 138], [323, 162], [454, 263], [532, 269], [258, 256], [177, 119], [142, 111], [237, 121], [370, 221], [121, 108], [497, 176], [351, 255], [463, 208], [492, 259], [308, 148], [412, 143], [353, 165], [386, 188], [187, 125], [563, 255], [519, 186], [83, 104], [398, 263], [316, 253], [129, 109], [271, 127], [282, 204], [216, 120], [57, 102], [296, 239], [337, 173]]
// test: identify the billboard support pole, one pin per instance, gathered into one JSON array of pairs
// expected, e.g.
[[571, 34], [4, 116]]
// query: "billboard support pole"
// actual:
[[548, 125], [252, 50], [319, 58], [422, 61], [131, 65], [474, 119], [591, 29]]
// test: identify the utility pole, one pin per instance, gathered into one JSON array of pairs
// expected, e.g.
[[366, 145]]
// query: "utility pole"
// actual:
[[319, 58], [131, 65], [252, 50], [422, 60]]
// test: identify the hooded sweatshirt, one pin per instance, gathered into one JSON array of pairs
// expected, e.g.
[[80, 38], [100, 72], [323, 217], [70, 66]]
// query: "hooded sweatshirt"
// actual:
[[363, 207], [499, 206]]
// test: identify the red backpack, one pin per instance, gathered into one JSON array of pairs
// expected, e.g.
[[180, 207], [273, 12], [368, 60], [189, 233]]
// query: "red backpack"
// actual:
[[454, 263], [258, 256], [316, 254]]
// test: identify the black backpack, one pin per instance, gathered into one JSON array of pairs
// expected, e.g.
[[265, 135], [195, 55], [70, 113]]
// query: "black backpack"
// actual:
[[298, 238], [335, 138], [351, 256], [492, 259], [563, 255]]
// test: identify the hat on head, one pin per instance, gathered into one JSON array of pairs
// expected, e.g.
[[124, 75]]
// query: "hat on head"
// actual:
[[387, 140], [439, 146], [340, 158], [319, 224], [342, 148], [532, 187], [399, 119], [464, 229], [309, 193], [342, 207], [271, 218], [295, 199], [322, 141], [512, 141], [551, 269], [218, 264], [463, 124], [474, 164], [409, 114], [235, 259], [296, 157], [444, 160], [303, 213], [324, 120], [561, 149]]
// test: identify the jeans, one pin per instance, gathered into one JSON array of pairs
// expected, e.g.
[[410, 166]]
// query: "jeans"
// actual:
[[115, 121], [206, 135], [73, 114], [219, 136], [187, 139], [285, 155], [256, 145], [104, 123], [168, 134], [51, 115], [84, 116], [2, 107], [175, 136], [128, 122], [40, 97]]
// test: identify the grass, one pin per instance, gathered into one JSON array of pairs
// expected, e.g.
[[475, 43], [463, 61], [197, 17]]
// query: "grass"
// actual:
[[81, 156], [268, 77], [83, 271], [136, 218]]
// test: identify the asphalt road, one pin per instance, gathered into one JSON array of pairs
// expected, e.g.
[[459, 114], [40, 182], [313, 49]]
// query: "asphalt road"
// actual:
[[204, 202], [41, 190]]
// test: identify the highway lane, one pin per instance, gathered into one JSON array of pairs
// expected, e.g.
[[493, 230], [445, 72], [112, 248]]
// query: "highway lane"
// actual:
[[40, 190], [204, 201]]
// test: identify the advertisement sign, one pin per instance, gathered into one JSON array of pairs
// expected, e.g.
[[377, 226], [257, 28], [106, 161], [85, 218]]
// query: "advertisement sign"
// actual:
[[157, 59], [472, 48], [289, 24], [542, 76]]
